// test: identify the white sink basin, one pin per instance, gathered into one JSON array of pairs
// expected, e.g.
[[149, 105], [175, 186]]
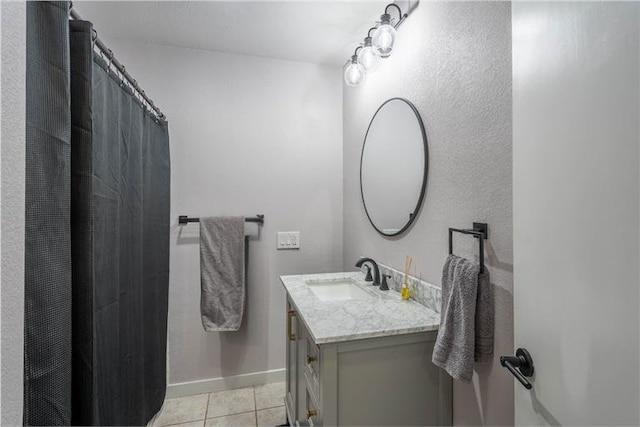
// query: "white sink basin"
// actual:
[[337, 289]]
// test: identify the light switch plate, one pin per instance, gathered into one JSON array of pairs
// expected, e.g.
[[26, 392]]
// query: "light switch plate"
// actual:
[[288, 240]]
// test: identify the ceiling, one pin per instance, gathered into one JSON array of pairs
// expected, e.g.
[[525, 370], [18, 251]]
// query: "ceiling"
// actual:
[[322, 32]]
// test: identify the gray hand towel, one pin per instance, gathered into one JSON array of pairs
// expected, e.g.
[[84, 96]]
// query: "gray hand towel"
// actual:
[[222, 248], [454, 348], [484, 319]]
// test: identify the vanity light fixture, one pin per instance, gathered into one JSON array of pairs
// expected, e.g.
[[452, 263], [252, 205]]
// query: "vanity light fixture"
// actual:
[[355, 73], [384, 37], [369, 57], [380, 44]]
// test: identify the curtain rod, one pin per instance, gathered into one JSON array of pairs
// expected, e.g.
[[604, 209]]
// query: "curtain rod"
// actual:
[[121, 68]]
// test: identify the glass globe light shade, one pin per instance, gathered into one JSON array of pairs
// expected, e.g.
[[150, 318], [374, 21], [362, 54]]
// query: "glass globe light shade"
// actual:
[[355, 73], [384, 36], [368, 56]]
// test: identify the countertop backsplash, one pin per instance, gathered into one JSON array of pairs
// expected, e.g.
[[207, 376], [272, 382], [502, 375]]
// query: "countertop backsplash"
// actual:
[[422, 292]]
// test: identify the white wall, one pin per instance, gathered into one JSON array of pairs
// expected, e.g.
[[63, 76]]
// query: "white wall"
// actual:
[[576, 147], [13, 48], [453, 61], [248, 136]]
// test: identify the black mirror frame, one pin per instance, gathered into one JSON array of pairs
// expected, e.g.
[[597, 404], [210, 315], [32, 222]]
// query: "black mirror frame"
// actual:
[[416, 210]]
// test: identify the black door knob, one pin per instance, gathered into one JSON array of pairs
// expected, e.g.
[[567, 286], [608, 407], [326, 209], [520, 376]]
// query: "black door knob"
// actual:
[[520, 365]]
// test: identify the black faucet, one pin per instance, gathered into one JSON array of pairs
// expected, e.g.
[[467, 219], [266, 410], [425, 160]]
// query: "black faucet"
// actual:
[[376, 270]]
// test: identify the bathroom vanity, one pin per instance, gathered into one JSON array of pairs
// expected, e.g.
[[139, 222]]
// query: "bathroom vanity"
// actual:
[[360, 356]]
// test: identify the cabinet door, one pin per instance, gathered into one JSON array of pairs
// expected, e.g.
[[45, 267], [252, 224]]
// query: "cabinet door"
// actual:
[[291, 398]]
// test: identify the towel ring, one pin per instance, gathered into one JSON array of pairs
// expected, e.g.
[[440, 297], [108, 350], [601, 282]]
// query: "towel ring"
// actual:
[[480, 231]]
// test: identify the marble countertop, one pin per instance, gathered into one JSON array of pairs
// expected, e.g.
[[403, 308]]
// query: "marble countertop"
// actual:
[[383, 313]]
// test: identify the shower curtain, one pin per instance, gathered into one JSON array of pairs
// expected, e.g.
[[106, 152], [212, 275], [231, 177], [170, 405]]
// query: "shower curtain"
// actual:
[[97, 235]]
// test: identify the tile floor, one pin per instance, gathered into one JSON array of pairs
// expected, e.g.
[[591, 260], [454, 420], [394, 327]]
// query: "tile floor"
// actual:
[[260, 406]]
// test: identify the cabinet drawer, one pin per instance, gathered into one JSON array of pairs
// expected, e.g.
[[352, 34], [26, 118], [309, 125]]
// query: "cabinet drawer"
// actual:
[[313, 385], [312, 368], [313, 357], [312, 412]]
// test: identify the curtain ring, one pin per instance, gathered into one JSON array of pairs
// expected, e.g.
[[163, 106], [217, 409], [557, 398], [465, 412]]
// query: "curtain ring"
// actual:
[[110, 61], [94, 37], [123, 71]]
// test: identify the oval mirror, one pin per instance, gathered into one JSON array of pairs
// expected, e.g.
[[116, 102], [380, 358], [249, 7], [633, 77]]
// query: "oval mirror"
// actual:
[[393, 167]]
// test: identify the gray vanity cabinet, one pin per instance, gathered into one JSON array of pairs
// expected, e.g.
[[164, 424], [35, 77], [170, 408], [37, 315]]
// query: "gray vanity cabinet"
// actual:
[[370, 382]]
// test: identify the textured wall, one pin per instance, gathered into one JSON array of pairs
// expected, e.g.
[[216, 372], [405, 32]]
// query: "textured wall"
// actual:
[[453, 61], [13, 18], [248, 135]]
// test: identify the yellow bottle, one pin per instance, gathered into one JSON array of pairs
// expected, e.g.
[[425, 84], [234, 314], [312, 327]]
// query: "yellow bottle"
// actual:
[[406, 292]]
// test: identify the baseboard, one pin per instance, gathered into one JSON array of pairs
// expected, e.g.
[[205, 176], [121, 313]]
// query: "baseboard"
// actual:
[[225, 383]]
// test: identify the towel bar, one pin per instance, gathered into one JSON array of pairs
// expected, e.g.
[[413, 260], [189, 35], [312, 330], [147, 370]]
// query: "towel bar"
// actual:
[[184, 219], [480, 231]]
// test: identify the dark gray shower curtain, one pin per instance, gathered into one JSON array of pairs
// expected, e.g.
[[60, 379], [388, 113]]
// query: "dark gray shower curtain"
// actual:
[[47, 347], [96, 311]]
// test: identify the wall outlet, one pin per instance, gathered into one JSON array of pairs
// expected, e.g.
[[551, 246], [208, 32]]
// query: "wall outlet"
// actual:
[[288, 240]]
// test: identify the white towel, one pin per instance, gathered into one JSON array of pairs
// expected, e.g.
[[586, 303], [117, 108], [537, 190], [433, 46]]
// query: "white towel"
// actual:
[[222, 295]]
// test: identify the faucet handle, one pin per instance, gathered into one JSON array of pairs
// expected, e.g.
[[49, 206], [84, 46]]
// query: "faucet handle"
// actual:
[[383, 285], [368, 277]]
